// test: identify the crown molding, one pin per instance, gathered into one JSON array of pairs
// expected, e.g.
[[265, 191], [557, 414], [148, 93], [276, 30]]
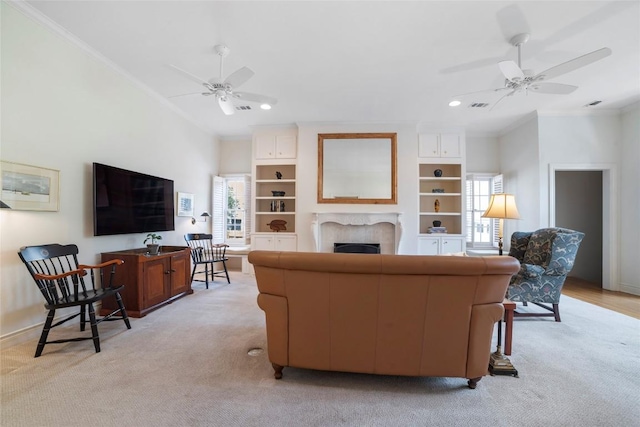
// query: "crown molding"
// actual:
[[37, 16]]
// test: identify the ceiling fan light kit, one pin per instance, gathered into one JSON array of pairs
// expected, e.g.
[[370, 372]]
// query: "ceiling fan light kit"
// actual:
[[224, 89], [519, 80]]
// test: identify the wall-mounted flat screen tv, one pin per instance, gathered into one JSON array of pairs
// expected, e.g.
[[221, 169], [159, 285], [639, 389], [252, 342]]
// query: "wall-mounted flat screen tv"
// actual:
[[130, 202]]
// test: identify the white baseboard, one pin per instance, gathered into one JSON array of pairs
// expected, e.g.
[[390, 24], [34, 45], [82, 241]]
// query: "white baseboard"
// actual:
[[629, 289]]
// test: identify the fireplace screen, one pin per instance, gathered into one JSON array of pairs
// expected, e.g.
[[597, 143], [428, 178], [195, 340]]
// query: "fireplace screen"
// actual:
[[357, 248]]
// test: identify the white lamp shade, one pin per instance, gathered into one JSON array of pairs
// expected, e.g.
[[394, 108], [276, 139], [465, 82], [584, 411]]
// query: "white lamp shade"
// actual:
[[502, 206]]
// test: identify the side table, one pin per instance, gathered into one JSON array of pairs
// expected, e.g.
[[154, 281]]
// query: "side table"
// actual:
[[509, 309]]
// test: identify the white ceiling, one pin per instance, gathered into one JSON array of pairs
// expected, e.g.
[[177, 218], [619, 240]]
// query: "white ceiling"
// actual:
[[362, 62]]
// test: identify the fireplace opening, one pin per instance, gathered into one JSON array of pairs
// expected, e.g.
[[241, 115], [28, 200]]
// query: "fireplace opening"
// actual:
[[357, 248]]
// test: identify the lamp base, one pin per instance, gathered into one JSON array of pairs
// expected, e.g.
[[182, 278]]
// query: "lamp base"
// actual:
[[501, 365]]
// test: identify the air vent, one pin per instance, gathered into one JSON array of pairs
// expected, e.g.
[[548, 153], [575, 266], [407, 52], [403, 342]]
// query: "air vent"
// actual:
[[243, 107], [479, 105], [593, 104]]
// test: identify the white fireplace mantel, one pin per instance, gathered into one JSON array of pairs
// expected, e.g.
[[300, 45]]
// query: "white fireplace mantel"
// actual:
[[355, 219]]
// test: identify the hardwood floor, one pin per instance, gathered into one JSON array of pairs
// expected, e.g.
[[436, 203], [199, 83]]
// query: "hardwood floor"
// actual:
[[593, 293]]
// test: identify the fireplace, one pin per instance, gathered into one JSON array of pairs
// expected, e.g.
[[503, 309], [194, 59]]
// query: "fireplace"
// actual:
[[354, 227], [357, 248]]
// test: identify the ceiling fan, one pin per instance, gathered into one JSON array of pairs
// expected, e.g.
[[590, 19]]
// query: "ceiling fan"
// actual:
[[225, 89], [519, 80]]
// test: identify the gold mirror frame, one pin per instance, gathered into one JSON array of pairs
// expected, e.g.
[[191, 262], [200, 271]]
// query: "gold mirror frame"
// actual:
[[355, 199]]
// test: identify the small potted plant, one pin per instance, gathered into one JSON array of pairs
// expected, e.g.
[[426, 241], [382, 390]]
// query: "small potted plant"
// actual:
[[153, 247]]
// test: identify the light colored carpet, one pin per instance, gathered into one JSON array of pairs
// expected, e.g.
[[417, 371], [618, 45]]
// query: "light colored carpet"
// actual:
[[187, 365]]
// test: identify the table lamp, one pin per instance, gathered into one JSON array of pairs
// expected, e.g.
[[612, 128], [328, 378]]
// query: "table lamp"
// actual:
[[501, 206]]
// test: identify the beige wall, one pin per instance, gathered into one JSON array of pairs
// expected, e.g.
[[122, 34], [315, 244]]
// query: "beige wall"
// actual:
[[63, 109]]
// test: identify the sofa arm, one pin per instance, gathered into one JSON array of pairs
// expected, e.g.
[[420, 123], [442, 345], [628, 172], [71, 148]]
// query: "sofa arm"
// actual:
[[483, 320], [277, 314]]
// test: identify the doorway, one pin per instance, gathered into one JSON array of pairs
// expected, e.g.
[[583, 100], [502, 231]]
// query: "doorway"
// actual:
[[581, 197], [579, 207]]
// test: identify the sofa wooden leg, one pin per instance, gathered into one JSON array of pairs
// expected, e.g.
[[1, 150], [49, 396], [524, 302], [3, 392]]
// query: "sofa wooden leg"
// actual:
[[473, 382], [278, 371]]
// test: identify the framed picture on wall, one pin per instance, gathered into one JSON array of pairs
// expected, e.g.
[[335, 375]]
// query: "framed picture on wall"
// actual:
[[185, 204], [29, 188]]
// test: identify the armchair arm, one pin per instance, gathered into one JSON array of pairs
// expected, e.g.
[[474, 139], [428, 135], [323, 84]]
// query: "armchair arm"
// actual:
[[97, 270], [563, 253], [79, 272], [104, 264], [532, 271], [60, 281]]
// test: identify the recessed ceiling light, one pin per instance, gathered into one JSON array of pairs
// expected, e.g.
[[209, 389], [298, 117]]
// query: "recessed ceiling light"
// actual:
[[265, 107], [454, 103]]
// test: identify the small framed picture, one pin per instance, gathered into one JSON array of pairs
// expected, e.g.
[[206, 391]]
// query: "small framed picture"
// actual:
[[185, 204], [29, 188]]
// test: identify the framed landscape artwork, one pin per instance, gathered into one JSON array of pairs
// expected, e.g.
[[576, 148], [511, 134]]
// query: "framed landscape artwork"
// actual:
[[29, 188], [185, 204]]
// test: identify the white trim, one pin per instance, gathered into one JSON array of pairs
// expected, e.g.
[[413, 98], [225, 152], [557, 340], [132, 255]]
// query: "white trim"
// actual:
[[610, 235], [356, 219]]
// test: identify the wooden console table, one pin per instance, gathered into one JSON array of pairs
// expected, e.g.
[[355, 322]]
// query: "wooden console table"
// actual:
[[150, 281]]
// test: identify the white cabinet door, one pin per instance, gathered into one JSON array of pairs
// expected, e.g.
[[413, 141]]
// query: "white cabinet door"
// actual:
[[428, 145], [275, 242], [450, 145], [428, 245], [450, 245], [440, 245], [265, 147], [286, 147], [263, 243], [286, 243], [276, 147], [439, 145]]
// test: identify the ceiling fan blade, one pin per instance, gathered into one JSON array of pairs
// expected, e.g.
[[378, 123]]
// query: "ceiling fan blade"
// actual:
[[226, 105], [238, 77], [189, 75], [501, 98], [252, 97], [462, 95], [192, 93], [511, 70], [574, 64], [554, 88]]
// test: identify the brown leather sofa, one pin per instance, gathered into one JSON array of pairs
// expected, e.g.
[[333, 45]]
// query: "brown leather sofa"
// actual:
[[382, 314]]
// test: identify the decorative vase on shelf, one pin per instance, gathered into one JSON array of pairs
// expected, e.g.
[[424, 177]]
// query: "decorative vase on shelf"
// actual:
[[436, 205], [437, 223], [438, 173]]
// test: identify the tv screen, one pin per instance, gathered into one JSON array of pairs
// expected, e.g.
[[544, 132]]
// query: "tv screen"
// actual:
[[130, 202]]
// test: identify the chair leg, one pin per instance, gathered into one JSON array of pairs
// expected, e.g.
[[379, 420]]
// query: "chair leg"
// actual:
[[94, 328], [206, 275], [224, 264], [45, 332], [556, 312], [123, 312], [193, 272], [83, 318]]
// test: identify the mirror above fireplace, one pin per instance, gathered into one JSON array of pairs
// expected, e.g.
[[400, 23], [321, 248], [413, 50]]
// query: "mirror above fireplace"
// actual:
[[357, 168]]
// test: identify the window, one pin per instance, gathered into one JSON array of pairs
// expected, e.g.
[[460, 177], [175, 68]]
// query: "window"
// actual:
[[481, 232], [231, 205]]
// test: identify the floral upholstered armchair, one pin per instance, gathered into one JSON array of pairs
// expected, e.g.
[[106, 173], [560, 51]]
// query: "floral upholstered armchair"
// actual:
[[546, 257]]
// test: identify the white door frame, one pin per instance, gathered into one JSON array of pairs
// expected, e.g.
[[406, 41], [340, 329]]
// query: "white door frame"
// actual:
[[610, 216]]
